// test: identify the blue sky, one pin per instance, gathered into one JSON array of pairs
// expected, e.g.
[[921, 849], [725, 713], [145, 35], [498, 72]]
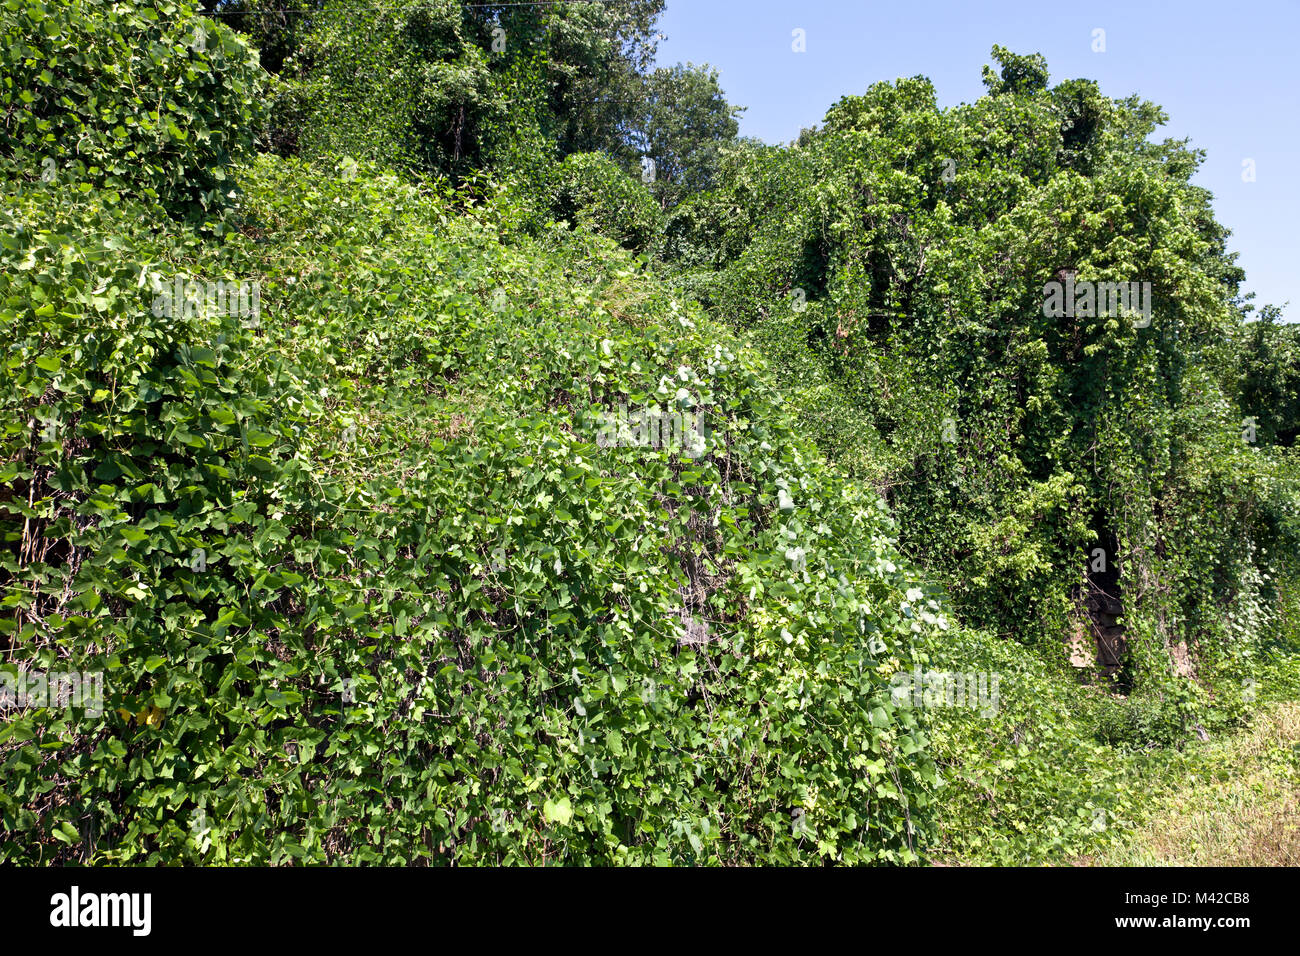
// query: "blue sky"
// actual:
[[1227, 73]]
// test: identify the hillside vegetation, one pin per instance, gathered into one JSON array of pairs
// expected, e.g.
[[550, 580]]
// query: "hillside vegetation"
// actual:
[[372, 573]]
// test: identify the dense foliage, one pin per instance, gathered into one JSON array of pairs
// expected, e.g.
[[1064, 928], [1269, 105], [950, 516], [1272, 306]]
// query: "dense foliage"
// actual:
[[363, 583], [896, 261], [364, 573], [395, 482], [590, 190], [143, 100], [440, 86]]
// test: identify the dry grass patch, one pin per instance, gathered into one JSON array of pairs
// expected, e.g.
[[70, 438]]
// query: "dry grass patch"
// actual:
[[1241, 807]]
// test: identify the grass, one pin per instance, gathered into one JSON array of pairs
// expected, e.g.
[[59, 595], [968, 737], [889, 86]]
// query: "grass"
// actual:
[[1238, 806]]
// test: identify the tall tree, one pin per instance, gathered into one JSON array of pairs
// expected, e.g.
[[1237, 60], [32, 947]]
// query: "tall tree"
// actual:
[[685, 122]]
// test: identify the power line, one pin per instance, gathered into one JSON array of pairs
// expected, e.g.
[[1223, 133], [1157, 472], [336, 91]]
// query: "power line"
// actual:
[[378, 6]]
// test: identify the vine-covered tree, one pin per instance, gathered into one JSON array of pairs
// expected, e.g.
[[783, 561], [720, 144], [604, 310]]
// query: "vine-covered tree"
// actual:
[[896, 263]]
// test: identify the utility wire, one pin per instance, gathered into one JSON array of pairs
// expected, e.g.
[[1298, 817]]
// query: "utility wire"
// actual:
[[470, 6]]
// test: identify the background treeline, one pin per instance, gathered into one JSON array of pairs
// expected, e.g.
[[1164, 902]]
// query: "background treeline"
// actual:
[[434, 621], [443, 87], [893, 264]]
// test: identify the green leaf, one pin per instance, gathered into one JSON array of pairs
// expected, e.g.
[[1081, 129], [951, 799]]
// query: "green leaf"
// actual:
[[558, 811]]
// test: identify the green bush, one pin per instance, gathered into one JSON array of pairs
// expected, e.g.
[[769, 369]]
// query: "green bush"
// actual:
[[431, 618], [1139, 721], [142, 99], [591, 190]]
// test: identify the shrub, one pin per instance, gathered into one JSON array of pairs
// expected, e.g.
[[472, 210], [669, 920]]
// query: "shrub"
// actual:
[[431, 619], [591, 190], [142, 99]]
